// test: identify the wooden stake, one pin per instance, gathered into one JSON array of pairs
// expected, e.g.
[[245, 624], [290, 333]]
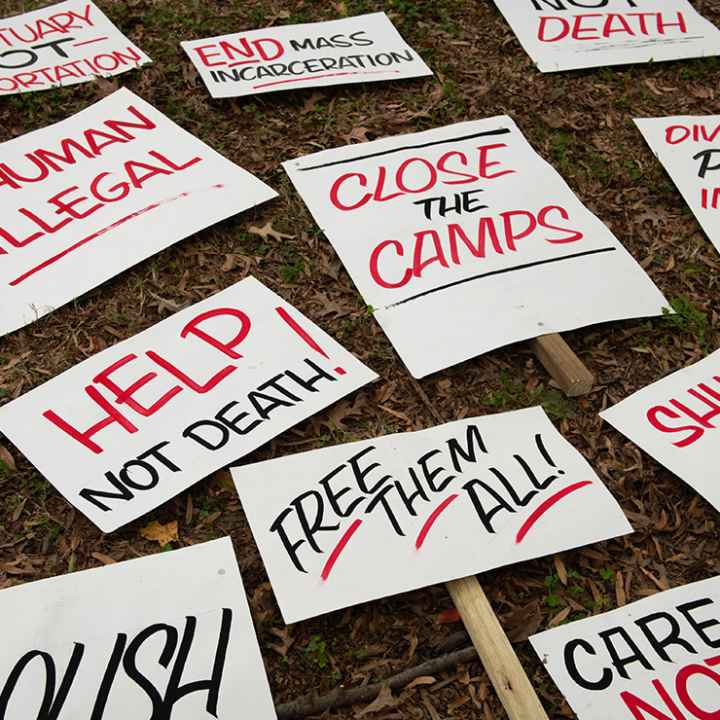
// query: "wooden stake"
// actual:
[[497, 655], [563, 364]]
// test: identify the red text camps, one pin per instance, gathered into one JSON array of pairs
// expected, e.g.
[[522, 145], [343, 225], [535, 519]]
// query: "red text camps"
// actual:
[[689, 417], [325, 519], [648, 645]]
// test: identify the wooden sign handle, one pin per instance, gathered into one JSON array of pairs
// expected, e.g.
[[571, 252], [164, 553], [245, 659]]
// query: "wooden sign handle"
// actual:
[[495, 651], [564, 366]]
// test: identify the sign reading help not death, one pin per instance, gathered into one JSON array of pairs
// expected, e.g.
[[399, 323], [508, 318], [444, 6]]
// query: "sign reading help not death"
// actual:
[[352, 523], [131, 427]]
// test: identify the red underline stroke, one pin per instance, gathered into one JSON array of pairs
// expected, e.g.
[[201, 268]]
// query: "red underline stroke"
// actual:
[[335, 554], [434, 515], [541, 509], [89, 42], [242, 62], [325, 75], [100, 233]]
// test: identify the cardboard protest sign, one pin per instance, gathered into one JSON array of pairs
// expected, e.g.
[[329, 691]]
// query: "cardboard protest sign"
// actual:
[[64, 44], [356, 522], [366, 48], [168, 636], [573, 34], [462, 240], [677, 421], [655, 659], [87, 198], [689, 149], [134, 425]]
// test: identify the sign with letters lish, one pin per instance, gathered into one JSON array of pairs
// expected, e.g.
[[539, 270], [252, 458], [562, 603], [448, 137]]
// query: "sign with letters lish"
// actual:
[[356, 522], [168, 636], [89, 197], [462, 240], [574, 34], [677, 421], [64, 44], [689, 149], [134, 425], [655, 659], [366, 48]]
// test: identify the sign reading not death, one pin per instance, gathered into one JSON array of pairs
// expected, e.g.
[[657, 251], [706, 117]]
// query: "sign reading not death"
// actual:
[[655, 659], [356, 522], [366, 48], [168, 636], [462, 240], [134, 425], [688, 146], [573, 34], [677, 421], [64, 44], [86, 198]]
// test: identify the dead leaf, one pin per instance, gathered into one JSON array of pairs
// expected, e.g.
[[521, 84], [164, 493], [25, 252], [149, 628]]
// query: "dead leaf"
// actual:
[[357, 135], [286, 642], [384, 700], [446, 617], [422, 680], [104, 559], [7, 459], [268, 231], [104, 87], [162, 534]]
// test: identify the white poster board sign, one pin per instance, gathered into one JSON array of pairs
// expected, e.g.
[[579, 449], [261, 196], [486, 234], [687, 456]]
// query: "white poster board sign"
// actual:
[[677, 421], [462, 240], [356, 522], [366, 48], [64, 44], [655, 659], [167, 636], [134, 425], [575, 34], [87, 198], [689, 149]]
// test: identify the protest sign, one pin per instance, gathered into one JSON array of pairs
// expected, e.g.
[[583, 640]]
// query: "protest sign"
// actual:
[[136, 424], [687, 146], [64, 44], [84, 199], [356, 522], [573, 34], [655, 659], [168, 636], [366, 48], [677, 421], [462, 240]]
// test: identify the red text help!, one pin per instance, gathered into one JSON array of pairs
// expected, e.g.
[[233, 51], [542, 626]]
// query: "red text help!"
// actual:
[[701, 406], [125, 397]]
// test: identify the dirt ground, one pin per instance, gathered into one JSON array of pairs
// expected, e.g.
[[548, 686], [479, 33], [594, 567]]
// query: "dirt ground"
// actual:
[[579, 121]]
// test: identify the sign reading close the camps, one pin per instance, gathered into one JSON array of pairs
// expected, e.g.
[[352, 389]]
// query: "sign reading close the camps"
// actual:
[[689, 149], [64, 44], [462, 240], [574, 34], [366, 48], [655, 659], [168, 636], [677, 421], [134, 425], [356, 522], [83, 200]]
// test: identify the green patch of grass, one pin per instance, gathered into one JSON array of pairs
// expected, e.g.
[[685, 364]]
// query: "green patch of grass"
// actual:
[[688, 318], [316, 652], [513, 395]]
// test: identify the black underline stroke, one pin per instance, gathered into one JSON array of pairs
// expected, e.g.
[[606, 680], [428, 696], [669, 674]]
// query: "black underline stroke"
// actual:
[[500, 131], [525, 266]]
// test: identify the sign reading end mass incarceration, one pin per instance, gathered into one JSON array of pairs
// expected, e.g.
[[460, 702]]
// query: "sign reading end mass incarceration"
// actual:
[[133, 426], [87, 198], [689, 149], [574, 34], [361, 521], [462, 240], [64, 44], [655, 659], [167, 637], [677, 421], [366, 48]]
